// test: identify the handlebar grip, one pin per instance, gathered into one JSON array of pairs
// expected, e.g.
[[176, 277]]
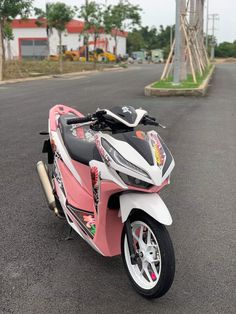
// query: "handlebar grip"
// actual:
[[79, 120], [150, 121]]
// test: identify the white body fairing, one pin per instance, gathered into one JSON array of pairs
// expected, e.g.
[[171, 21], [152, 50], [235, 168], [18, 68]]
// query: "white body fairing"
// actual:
[[131, 155], [140, 114], [151, 204]]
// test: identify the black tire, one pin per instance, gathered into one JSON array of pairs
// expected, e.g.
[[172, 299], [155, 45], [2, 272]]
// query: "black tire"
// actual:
[[166, 252]]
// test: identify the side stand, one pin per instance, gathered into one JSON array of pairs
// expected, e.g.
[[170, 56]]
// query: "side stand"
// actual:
[[69, 237]]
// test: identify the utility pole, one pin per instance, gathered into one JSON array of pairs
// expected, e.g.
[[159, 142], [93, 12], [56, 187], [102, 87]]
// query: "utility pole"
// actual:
[[180, 72], [214, 17], [188, 54], [199, 8], [177, 44], [86, 36], [183, 64], [202, 19], [192, 18], [171, 36], [1, 54], [207, 15]]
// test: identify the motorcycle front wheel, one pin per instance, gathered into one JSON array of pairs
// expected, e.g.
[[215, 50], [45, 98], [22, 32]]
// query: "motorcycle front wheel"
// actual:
[[153, 273]]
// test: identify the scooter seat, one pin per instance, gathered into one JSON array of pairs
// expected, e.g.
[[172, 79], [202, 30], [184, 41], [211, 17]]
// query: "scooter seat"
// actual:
[[78, 148]]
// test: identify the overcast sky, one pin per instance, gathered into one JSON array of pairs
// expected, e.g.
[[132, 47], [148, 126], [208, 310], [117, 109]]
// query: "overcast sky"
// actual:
[[157, 12]]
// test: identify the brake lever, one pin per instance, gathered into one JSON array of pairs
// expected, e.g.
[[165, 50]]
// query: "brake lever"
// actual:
[[151, 118], [162, 126]]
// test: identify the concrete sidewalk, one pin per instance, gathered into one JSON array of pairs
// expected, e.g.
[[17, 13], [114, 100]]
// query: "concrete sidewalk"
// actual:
[[47, 77]]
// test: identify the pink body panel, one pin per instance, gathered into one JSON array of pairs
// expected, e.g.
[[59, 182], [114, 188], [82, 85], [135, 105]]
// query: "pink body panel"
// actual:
[[68, 213], [76, 195], [60, 109], [85, 174], [108, 224]]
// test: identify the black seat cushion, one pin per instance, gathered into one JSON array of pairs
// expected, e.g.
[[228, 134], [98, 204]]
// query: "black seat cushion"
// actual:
[[78, 149]]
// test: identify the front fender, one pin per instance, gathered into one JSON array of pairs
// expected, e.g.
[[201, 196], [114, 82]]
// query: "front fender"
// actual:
[[151, 204]]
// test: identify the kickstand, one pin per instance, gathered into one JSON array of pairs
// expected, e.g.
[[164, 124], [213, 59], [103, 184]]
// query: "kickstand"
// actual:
[[69, 237]]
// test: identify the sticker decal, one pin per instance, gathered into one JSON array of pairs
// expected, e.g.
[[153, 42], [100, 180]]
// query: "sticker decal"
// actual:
[[126, 109], [95, 176], [90, 223], [158, 149]]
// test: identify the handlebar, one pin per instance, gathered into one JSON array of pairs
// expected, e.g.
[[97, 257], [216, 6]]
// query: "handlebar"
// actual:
[[151, 121], [98, 116], [88, 118], [79, 120]]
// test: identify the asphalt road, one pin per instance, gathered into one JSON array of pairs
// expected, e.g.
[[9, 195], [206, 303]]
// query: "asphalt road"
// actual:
[[42, 273]]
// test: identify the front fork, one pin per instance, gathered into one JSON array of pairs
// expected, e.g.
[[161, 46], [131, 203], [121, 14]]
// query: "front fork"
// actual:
[[128, 230]]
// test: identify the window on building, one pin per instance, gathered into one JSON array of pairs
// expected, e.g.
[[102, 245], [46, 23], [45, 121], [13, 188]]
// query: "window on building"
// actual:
[[33, 48]]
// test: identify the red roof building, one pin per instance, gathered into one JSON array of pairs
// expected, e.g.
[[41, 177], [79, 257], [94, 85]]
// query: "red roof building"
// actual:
[[31, 40]]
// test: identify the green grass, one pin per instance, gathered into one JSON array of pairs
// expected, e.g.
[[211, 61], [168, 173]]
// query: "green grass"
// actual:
[[189, 83], [27, 68]]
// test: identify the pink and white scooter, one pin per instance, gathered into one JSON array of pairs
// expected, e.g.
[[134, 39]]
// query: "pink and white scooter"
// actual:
[[104, 180]]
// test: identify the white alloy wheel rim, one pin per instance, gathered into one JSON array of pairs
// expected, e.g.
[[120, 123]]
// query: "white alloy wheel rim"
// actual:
[[147, 272]]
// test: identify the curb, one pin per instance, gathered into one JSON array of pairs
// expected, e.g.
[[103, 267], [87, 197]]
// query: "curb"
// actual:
[[199, 91], [47, 77]]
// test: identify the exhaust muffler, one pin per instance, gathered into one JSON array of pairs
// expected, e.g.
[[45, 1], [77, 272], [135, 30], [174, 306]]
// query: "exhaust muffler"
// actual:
[[47, 187]]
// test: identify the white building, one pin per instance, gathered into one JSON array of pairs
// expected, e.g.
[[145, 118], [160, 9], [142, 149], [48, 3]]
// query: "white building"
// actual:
[[31, 41]]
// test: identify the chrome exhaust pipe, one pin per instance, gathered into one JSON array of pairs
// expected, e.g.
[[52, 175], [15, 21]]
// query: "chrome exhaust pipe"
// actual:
[[47, 187]]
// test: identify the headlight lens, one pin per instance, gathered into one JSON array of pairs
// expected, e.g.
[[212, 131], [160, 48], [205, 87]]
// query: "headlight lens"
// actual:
[[134, 181], [121, 160]]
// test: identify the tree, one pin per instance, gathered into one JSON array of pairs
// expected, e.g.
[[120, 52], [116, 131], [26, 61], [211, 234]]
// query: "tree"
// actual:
[[149, 39], [8, 32], [42, 20], [8, 36], [226, 50], [8, 11], [92, 14], [135, 41], [57, 15], [121, 17], [163, 37]]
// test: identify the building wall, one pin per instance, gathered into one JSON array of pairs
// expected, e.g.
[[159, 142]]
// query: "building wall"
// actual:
[[23, 33], [71, 40], [121, 44]]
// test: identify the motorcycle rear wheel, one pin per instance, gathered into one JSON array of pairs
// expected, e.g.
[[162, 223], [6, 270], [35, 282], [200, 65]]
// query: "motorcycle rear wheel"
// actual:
[[153, 274]]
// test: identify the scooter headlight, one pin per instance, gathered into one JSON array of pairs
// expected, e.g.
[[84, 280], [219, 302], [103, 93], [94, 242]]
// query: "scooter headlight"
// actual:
[[129, 180], [119, 159]]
